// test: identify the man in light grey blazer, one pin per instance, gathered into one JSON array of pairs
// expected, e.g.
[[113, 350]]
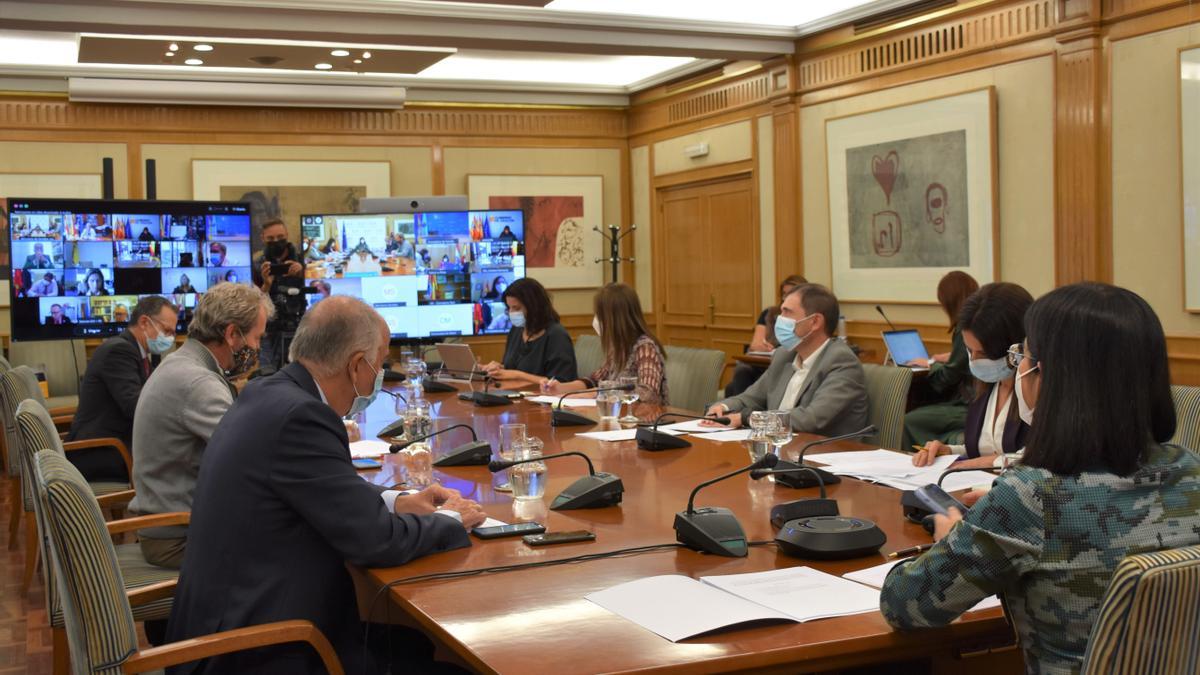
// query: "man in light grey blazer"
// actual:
[[815, 376]]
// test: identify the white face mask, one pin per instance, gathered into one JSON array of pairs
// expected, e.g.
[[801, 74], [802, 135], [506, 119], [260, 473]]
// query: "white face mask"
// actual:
[[596, 324], [1023, 408]]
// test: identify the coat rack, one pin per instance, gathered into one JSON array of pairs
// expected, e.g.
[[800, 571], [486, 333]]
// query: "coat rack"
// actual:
[[614, 238]]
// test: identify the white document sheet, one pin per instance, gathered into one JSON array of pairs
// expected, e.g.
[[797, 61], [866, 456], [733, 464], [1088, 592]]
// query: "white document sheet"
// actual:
[[618, 434], [874, 576], [570, 402], [368, 448], [726, 436], [895, 469], [690, 427], [803, 593]]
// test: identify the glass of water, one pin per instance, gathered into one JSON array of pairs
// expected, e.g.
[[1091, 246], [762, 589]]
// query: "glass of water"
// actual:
[[417, 463], [414, 370], [417, 420], [609, 402], [780, 430], [629, 398], [759, 441], [528, 480], [510, 436]]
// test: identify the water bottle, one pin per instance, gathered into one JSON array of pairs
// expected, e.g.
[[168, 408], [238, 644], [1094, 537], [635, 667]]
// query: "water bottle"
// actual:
[[841, 331]]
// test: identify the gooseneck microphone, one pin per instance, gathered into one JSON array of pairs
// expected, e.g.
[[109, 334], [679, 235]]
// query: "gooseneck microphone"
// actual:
[[475, 453], [483, 398], [650, 438], [714, 529], [595, 490], [565, 418], [805, 481], [885, 317]]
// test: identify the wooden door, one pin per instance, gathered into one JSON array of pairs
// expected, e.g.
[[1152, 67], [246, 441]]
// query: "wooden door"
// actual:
[[707, 264]]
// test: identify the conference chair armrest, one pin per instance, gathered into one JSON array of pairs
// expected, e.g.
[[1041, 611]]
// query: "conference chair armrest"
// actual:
[[63, 411], [115, 498], [104, 443], [144, 595], [62, 421], [153, 520], [238, 639]]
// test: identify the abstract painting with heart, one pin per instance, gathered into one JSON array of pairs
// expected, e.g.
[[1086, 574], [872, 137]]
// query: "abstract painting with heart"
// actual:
[[907, 202]]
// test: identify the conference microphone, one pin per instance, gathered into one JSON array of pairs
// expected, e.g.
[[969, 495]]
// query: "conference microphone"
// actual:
[[475, 453], [483, 399], [592, 491], [650, 438], [804, 481], [813, 528], [566, 418], [432, 386], [714, 529], [885, 317]]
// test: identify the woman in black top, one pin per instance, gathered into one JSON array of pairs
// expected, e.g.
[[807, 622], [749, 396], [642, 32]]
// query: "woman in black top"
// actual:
[[538, 347]]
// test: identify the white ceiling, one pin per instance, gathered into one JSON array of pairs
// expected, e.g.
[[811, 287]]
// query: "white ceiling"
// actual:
[[572, 51]]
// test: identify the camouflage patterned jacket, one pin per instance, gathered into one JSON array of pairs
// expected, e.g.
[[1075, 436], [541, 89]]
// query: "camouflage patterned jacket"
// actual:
[[1050, 544]]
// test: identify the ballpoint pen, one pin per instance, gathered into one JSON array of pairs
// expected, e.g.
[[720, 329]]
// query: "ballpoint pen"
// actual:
[[911, 550]]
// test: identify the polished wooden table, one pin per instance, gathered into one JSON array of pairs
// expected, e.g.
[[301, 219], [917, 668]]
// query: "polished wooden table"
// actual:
[[538, 620]]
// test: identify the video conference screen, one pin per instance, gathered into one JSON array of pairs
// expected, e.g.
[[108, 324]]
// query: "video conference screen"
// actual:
[[434, 274], [79, 265]]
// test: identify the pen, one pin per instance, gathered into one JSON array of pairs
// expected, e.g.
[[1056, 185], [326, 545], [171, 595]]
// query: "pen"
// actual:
[[911, 550], [918, 448]]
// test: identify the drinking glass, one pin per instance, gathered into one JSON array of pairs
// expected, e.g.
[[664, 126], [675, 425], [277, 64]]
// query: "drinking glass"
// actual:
[[417, 420], [528, 480], [414, 370], [417, 463], [779, 432], [608, 402], [629, 398], [759, 441], [510, 436]]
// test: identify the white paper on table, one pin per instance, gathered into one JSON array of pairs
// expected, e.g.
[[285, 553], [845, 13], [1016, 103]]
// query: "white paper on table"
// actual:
[[569, 402], [967, 480], [691, 427], [874, 577], [726, 436], [677, 607], [895, 469], [369, 448], [803, 593], [492, 522], [618, 434]]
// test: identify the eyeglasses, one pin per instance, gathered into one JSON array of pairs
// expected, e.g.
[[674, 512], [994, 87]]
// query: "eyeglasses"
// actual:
[[169, 332], [1016, 354]]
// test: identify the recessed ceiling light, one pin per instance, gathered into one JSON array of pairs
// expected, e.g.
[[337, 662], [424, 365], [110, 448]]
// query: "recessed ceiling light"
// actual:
[[173, 47], [366, 55], [323, 66], [203, 48], [170, 53], [339, 52], [194, 62], [358, 60]]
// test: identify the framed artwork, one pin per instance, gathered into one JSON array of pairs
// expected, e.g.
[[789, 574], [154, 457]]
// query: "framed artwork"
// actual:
[[1189, 150], [285, 188], [912, 196], [44, 185], [560, 211]]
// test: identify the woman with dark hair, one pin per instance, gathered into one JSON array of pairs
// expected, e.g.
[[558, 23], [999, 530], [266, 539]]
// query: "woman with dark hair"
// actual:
[[948, 385], [990, 321], [538, 347], [1095, 484], [763, 340], [630, 349], [93, 283], [497, 291]]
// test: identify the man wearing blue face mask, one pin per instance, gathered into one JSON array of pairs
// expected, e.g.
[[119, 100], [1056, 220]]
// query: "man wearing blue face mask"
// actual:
[[279, 509], [112, 385], [815, 377]]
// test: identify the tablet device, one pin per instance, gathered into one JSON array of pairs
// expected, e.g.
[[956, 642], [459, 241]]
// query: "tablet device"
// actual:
[[905, 345], [458, 360]]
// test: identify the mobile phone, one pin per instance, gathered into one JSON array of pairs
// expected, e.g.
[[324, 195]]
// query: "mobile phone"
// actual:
[[508, 530], [938, 500], [363, 463], [558, 537]]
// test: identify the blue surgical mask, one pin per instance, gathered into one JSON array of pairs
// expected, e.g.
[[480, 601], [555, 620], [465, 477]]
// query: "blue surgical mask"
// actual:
[[991, 370], [361, 402], [160, 344], [517, 319], [785, 332]]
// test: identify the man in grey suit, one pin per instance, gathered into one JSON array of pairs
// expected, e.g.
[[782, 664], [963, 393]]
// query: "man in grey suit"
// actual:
[[816, 377]]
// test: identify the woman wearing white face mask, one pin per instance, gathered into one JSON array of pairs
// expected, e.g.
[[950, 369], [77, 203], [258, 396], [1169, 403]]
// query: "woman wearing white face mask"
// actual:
[[538, 347], [990, 320]]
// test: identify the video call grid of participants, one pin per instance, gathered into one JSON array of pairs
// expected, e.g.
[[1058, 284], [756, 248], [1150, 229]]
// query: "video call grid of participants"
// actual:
[[453, 265], [93, 267]]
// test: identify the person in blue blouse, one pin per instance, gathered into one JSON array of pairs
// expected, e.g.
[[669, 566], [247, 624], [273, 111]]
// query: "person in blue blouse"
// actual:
[[1097, 482]]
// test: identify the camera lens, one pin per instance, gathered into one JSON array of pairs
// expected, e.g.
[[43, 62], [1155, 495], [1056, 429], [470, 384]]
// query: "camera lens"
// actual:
[[414, 203]]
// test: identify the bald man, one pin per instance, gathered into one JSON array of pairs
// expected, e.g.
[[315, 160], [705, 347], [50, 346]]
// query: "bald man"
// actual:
[[281, 455]]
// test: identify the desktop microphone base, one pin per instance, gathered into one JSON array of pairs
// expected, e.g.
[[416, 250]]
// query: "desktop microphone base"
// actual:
[[802, 479], [652, 439], [475, 453], [802, 508], [435, 387], [590, 492], [829, 538], [566, 418], [712, 529], [484, 399]]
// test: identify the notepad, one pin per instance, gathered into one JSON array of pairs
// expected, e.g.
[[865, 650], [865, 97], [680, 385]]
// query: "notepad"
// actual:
[[369, 448], [874, 577], [678, 607]]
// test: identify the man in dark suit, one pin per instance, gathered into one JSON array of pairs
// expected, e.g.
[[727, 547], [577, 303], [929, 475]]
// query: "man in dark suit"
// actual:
[[113, 383], [279, 509]]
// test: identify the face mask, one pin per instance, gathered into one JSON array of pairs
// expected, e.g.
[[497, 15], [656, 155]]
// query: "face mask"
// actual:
[[275, 249], [517, 319], [1023, 408], [159, 344], [785, 332], [244, 358], [361, 402], [596, 325], [991, 370]]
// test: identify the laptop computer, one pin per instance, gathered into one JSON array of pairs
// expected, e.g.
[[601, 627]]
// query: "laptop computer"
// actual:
[[459, 361], [905, 346]]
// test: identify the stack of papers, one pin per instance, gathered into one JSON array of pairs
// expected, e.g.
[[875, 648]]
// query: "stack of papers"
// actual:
[[619, 434], [874, 576], [677, 607], [895, 469], [726, 436], [571, 402], [691, 427], [363, 449]]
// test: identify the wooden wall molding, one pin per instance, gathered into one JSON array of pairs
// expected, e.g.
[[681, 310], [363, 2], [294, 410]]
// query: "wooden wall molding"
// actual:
[[497, 122], [789, 228], [738, 94]]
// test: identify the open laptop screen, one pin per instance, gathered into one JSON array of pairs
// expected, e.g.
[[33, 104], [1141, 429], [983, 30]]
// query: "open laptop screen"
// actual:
[[905, 345]]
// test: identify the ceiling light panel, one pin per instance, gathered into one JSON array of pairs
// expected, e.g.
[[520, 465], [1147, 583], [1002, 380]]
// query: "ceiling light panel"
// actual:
[[582, 69]]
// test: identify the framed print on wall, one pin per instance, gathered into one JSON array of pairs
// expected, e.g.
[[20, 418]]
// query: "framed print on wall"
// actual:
[[560, 211], [912, 196], [1189, 150]]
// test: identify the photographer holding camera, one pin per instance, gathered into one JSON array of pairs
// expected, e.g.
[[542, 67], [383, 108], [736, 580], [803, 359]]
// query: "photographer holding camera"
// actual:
[[276, 271]]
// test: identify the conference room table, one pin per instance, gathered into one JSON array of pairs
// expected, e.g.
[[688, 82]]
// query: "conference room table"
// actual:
[[537, 619]]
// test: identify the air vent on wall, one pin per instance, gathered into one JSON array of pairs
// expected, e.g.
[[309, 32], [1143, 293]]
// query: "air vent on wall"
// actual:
[[905, 12], [254, 94]]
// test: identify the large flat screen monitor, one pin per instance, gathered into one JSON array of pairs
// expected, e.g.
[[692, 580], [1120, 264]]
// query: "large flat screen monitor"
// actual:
[[430, 274], [80, 265]]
